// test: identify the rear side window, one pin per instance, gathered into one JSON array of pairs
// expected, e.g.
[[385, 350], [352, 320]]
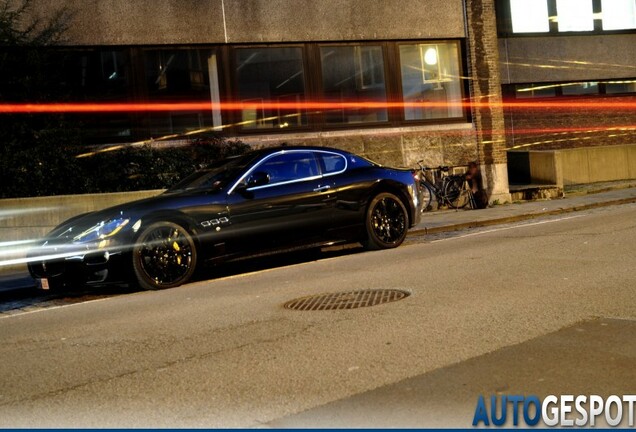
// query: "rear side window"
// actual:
[[333, 163]]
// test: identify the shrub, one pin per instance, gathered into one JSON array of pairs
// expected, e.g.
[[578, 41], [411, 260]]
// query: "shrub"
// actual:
[[50, 169]]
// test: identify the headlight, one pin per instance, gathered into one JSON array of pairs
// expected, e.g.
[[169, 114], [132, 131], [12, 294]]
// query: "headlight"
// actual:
[[102, 230]]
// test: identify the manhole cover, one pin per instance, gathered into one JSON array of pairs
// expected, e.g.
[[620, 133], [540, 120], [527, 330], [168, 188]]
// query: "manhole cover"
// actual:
[[346, 300]]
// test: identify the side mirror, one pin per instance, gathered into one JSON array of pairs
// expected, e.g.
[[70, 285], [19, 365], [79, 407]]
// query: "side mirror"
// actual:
[[258, 178]]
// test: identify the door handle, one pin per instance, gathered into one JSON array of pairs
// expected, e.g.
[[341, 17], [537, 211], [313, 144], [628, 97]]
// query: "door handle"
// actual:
[[324, 188]]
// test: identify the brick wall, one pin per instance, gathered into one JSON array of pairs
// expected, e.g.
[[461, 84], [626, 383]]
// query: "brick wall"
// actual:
[[551, 129], [485, 84]]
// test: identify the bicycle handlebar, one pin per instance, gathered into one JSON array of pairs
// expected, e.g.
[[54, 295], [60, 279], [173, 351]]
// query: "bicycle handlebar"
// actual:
[[425, 168]]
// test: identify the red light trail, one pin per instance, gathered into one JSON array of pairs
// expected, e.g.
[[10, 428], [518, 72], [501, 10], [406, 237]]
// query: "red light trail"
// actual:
[[79, 108]]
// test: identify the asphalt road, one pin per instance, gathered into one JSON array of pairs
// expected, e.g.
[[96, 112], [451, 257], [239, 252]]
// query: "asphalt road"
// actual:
[[225, 353]]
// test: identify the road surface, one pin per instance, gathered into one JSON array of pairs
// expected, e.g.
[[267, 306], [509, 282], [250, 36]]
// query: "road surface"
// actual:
[[225, 353]]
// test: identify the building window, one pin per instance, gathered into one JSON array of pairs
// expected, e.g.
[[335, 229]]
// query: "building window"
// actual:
[[576, 89], [430, 81], [575, 15], [177, 75], [572, 89], [360, 84], [619, 87], [101, 76], [529, 16], [353, 74], [563, 16], [270, 75], [618, 14], [534, 91]]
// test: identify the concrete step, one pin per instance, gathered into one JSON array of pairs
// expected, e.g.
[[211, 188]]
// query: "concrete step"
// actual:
[[535, 192]]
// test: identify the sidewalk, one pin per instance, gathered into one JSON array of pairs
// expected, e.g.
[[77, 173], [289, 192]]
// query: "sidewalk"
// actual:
[[451, 220]]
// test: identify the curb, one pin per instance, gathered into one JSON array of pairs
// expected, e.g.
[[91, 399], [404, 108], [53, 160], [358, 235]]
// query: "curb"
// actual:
[[519, 218]]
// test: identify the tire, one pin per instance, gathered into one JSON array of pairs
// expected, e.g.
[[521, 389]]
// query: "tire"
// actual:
[[164, 256], [456, 193], [386, 222], [426, 196]]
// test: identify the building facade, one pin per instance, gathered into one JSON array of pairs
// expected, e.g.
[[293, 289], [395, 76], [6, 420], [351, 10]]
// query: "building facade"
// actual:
[[580, 54], [422, 58]]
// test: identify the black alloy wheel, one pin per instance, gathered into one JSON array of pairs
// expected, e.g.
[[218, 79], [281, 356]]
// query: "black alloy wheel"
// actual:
[[387, 222], [164, 256]]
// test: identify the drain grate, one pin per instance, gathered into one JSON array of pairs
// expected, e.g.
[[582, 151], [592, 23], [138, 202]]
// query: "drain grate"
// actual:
[[346, 300]]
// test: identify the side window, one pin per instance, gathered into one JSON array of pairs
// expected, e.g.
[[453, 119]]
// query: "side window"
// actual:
[[333, 163], [290, 166]]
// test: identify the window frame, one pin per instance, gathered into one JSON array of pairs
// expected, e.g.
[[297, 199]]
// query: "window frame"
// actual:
[[314, 86], [268, 157], [462, 83], [317, 75], [228, 88], [229, 59]]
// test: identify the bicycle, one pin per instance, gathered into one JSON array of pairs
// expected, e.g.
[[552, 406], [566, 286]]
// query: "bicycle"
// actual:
[[449, 189]]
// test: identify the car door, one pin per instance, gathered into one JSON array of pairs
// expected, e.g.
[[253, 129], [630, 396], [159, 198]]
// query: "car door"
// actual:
[[349, 186], [293, 206]]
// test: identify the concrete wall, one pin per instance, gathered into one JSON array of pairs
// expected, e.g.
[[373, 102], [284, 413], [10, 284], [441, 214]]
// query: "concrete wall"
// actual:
[[579, 166], [451, 144], [597, 164], [149, 22], [24, 220], [567, 58], [29, 218]]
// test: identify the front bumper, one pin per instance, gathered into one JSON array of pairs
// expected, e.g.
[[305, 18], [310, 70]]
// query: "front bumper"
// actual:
[[73, 268]]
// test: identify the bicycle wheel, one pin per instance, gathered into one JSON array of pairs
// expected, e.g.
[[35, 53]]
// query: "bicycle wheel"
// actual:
[[426, 197], [456, 192]]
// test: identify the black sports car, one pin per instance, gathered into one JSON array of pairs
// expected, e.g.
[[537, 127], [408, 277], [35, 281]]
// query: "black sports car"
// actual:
[[267, 200]]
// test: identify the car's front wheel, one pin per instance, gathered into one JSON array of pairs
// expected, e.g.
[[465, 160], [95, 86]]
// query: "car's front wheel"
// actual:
[[164, 256], [387, 222]]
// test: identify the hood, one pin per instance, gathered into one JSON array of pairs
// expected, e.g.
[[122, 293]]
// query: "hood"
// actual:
[[134, 210]]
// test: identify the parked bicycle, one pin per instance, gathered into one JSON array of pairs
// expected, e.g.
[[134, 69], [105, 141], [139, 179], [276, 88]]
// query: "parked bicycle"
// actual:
[[450, 190]]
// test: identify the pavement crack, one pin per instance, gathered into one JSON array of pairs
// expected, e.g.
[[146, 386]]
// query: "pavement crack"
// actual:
[[172, 363]]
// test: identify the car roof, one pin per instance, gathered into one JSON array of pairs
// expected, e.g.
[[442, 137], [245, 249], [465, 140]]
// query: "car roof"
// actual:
[[270, 150]]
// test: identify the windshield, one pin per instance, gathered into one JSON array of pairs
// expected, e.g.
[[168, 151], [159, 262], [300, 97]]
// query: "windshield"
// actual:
[[217, 176]]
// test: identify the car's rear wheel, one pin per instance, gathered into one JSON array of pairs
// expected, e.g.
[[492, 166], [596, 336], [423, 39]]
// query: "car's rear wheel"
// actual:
[[387, 222], [164, 256]]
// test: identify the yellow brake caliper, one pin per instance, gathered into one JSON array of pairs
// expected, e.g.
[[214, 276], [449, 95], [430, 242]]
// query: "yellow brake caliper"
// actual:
[[176, 247]]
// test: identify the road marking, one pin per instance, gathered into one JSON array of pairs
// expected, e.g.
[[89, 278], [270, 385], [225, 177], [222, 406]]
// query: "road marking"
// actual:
[[508, 228]]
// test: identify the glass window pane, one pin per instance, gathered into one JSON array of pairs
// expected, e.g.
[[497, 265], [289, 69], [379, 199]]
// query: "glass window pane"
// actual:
[[529, 16], [353, 74], [535, 91], [290, 166], [585, 88], [619, 14], [177, 75], [431, 81], [575, 15], [100, 76], [333, 163], [615, 87], [274, 75]]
